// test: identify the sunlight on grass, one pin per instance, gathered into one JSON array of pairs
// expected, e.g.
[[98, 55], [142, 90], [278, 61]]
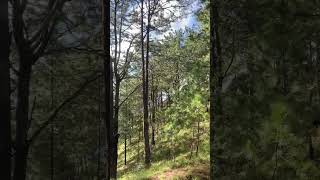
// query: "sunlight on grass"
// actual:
[[179, 165]]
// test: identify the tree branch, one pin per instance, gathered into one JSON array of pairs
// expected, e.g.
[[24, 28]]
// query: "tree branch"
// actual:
[[32, 111], [60, 107], [233, 55], [135, 89]]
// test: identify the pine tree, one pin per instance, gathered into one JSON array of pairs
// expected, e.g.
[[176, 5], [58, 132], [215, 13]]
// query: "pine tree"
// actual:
[[5, 118], [108, 87]]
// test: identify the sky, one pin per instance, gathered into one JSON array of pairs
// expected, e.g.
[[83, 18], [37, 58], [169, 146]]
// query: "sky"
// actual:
[[188, 20]]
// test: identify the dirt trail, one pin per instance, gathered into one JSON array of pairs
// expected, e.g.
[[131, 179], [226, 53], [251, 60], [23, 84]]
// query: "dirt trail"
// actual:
[[200, 172]]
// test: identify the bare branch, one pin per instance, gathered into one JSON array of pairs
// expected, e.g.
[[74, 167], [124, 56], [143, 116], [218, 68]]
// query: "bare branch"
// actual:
[[61, 106], [135, 89], [233, 56], [32, 111]]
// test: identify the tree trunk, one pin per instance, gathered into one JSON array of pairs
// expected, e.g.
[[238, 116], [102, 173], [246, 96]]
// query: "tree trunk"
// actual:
[[115, 122], [52, 126], [216, 78], [153, 139], [161, 99], [99, 130], [138, 149], [52, 152], [131, 129], [169, 98], [115, 137], [193, 142], [28, 56], [5, 127], [145, 88], [20, 167], [154, 103], [284, 73], [318, 71], [108, 84], [198, 137], [22, 118], [125, 149]]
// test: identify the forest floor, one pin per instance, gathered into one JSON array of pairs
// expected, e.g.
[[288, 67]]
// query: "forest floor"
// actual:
[[199, 172], [167, 162], [165, 172]]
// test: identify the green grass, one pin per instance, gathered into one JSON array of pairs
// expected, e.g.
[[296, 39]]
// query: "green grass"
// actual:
[[177, 163], [180, 166]]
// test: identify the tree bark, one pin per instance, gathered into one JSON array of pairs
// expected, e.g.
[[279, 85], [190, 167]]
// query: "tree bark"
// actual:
[[108, 85], [22, 118], [154, 103], [125, 149], [145, 85], [138, 149], [52, 151], [52, 125], [5, 118], [118, 79], [115, 137], [318, 71], [131, 129], [99, 130], [216, 78], [29, 53], [198, 137]]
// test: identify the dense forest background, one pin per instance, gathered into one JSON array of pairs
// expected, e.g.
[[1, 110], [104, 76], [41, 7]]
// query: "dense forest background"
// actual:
[[160, 89]]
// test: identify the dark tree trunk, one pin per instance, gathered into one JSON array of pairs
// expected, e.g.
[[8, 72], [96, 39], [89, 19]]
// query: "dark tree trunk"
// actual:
[[22, 118], [131, 129], [125, 149], [284, 73], [21, 156], [311, 150], [5, 127], [115, 122], [161, 100], [198, 137], [169, 98], [108, 85], [138, 149], [115, 137], [318, 71], [154, 103], [52, 152], [153, 139], [193, 142], [216, 78], [99, 130], [52, 126], [28, 55], [145, 88]]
